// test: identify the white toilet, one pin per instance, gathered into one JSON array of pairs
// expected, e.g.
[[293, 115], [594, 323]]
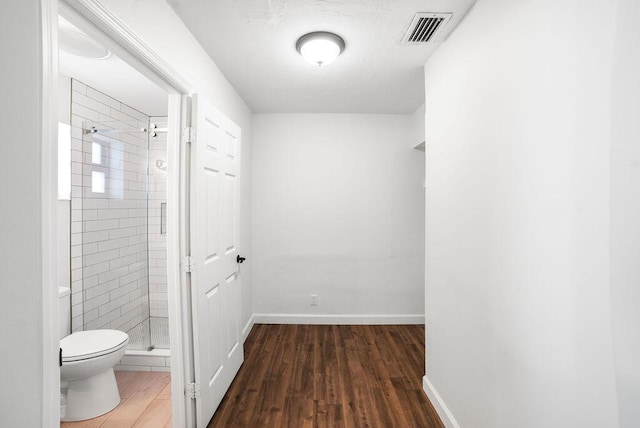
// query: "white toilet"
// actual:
[[86, 376]]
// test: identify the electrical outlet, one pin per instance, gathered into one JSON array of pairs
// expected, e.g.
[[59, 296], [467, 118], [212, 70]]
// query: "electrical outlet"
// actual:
[[314, 300]]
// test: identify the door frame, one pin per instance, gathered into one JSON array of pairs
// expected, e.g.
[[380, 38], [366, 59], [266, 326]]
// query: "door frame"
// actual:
[[93, 18]]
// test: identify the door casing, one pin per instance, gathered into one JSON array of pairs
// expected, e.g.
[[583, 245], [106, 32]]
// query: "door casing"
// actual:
[[93, 18]]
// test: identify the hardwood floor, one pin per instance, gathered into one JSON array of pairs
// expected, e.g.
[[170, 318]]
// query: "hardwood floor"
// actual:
[[301, 376], [145, 402], [329, 376]]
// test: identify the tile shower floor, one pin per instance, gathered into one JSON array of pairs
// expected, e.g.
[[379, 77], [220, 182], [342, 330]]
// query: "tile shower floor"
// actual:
[[139, 335]]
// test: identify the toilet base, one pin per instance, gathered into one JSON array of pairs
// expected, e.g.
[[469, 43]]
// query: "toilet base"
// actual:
[[91, 397]]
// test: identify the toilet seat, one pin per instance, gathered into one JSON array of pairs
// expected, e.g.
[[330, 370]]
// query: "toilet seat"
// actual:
[[84, 345]]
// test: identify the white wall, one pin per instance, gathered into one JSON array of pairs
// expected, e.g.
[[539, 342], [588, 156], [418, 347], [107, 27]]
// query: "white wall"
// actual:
[[625, 211], [417, 127], [151, 21], [337, 212], [517, 296], [21, 269]]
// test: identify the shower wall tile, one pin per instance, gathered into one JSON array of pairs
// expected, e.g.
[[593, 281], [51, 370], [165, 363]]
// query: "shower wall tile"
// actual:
[[102, 98], [110, 282], [78, 86]]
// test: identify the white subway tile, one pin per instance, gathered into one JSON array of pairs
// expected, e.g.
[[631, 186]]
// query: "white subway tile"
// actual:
[[138, 239], [91, 315], [90, 103], [76, 227], [103, 98], [76, 262], [76, 298], [90, 281], [76, 275], [76, 192], [157, 288], [76, 204], [100, 289], [100, 257], [113, 304], [78, 122], [79, 87], [99, 204], [131, 277], [123, 261], [76, 251], [122, 290], [95, 302], [88, 214], [112, 243], [135, 113], [85, 112], [158, 279], [103, 321], [113, 274], [124, 118], [132, 305], [95, 269], [121, 233], [92, 226], [89, 237], [132, 222], [131, 249], [89, 248], [106, 214], [77, 323], [122, 204]]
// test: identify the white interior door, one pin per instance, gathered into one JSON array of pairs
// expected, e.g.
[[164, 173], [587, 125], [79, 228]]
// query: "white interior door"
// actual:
[[215, 186]]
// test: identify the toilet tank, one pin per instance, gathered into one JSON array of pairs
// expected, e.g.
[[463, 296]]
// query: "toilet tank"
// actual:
[[65, 311]]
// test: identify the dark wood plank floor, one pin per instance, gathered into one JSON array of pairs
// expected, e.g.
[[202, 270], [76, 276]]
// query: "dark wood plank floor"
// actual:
[[329, 376]]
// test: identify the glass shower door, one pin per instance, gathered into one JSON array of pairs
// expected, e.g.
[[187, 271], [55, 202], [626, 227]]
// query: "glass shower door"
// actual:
[[112, 205]]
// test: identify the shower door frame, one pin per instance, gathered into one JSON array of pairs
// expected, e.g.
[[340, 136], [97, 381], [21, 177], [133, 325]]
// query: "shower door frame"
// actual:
[[97, 21]]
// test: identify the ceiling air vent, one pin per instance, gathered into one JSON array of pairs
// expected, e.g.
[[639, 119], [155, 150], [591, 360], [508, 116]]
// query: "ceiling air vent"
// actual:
[[425, 27]]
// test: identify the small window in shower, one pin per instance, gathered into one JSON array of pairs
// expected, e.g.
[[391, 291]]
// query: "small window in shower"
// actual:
[[96, 153], [97, 182]]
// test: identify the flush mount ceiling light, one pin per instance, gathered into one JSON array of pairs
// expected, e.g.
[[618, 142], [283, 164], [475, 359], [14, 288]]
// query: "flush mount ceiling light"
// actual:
[[78, 43], [320, 47]]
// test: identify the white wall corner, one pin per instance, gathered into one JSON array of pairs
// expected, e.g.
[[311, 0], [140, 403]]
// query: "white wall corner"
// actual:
[[441, 408], [247, 328], [339, 319]]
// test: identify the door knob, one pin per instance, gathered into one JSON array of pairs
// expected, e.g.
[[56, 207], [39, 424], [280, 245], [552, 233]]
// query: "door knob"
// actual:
[[240, 259]]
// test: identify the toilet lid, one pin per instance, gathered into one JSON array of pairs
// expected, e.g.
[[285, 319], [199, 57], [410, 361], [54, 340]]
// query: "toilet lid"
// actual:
[[92, 343]]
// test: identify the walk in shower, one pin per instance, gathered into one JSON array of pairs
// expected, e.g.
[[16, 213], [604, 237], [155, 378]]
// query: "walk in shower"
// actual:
[[118, 230]]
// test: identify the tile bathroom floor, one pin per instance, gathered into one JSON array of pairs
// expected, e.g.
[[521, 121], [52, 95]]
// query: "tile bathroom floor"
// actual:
[[145, 402]]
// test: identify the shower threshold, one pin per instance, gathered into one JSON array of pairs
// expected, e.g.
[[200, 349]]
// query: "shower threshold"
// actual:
[[139, 335]]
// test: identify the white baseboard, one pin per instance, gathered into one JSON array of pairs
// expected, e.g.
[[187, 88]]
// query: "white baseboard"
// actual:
[[340, 319], [443, 411], [247, 328]]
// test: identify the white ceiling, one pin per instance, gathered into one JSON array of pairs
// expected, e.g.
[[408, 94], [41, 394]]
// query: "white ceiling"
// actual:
[[253, 43], [115, 78]]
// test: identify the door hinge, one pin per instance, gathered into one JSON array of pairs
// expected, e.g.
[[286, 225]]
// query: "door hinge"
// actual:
[[188, 134], [193, 390], [188, 264]]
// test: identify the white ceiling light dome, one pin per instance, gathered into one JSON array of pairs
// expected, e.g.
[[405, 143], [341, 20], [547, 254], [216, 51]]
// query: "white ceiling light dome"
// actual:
[[320, 47], [76, 42]]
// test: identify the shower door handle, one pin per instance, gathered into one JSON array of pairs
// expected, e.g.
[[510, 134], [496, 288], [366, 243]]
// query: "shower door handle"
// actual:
[[240, 259]]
